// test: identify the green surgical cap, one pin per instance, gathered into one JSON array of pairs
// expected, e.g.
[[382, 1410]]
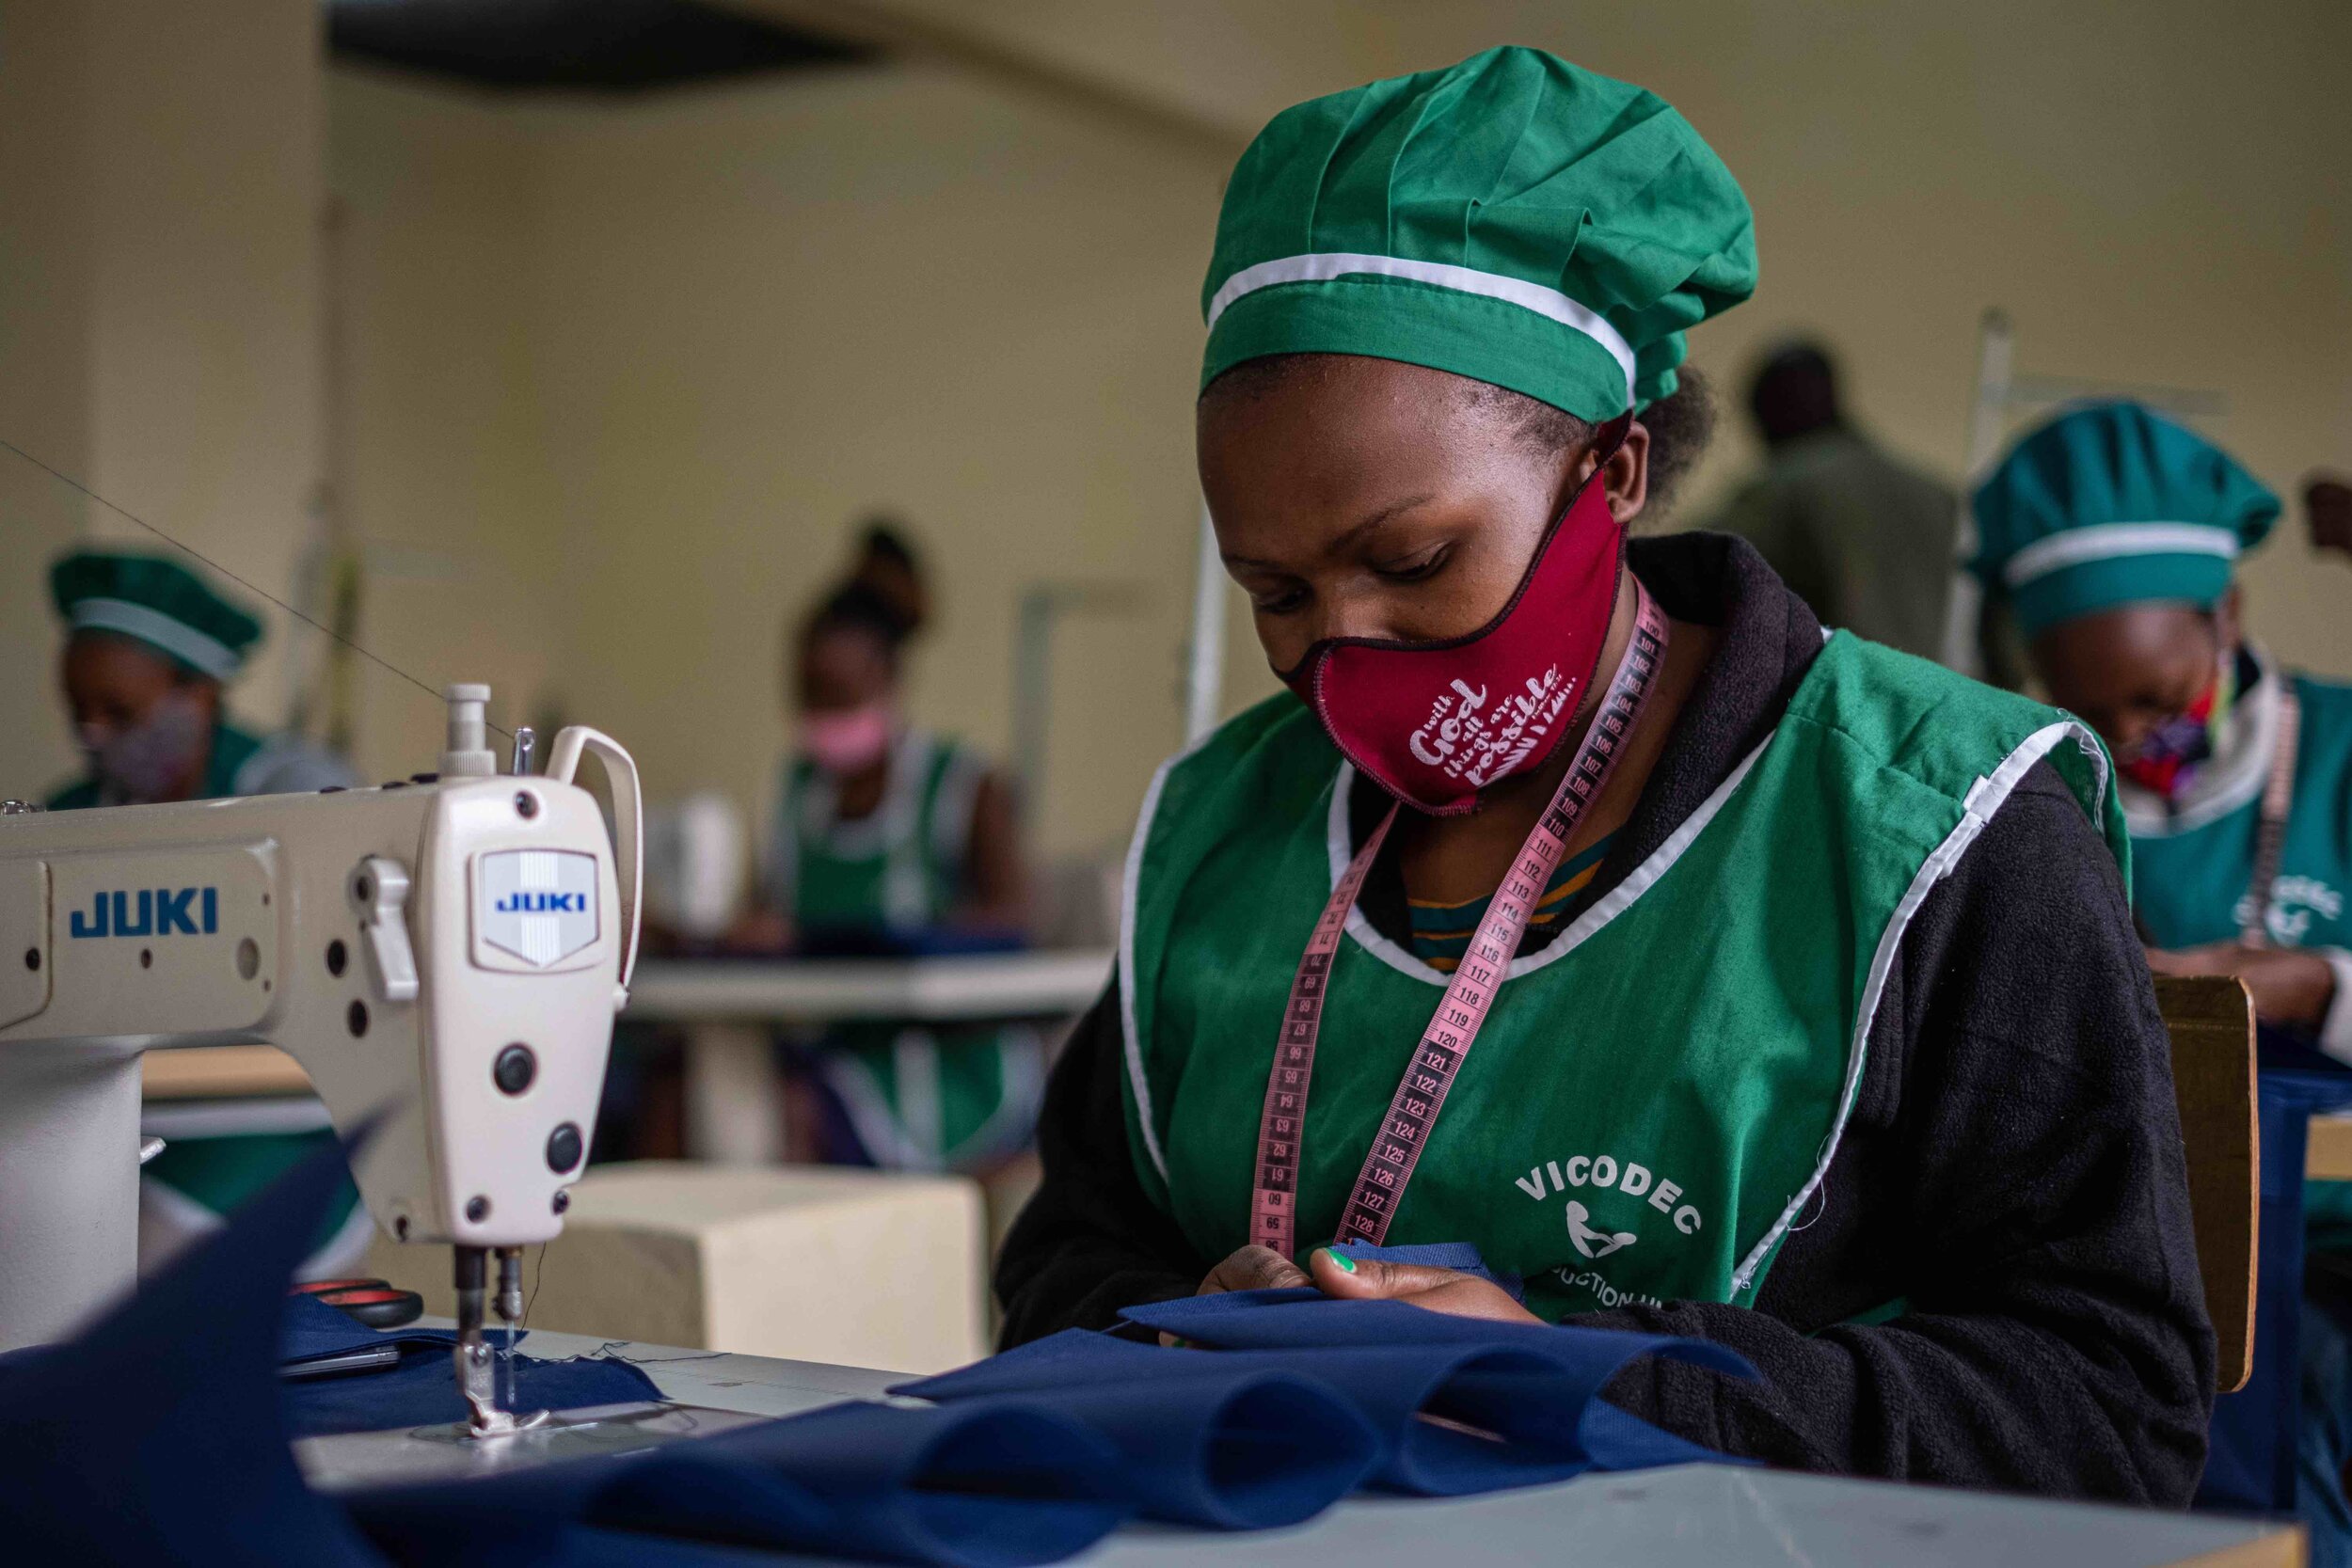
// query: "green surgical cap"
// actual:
[[2110, 504], [158, 601], [1514, 218]]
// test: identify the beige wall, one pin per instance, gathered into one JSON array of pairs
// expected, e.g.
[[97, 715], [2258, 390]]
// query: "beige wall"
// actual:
[[747, 314], [2156, 194], [160, 179], [448, 496], [641, 368]]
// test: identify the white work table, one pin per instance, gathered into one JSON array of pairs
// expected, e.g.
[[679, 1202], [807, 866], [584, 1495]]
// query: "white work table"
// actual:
[[1688, 1516], [734, 1114]]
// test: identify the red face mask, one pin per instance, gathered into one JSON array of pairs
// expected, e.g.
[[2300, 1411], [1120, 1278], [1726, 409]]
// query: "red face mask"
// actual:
[[1434, 724]]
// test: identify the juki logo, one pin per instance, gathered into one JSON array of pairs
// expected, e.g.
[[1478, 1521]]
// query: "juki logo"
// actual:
[[160, 911], [543, 903]]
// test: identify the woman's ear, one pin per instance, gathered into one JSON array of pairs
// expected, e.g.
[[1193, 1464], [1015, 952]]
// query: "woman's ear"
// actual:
[[1625, 476], [2225, 624], [1624, 479]]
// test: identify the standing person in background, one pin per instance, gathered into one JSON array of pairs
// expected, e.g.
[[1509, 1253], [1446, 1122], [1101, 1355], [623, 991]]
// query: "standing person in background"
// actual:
[[1865, 541], [891, 839], [150, 650], [2114, 534]]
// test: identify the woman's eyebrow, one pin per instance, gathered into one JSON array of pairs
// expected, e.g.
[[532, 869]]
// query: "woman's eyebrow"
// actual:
[[1355, 531]]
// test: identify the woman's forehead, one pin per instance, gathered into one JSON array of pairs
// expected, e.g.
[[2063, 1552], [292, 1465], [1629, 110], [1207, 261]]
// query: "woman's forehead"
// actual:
[[1349, 438]]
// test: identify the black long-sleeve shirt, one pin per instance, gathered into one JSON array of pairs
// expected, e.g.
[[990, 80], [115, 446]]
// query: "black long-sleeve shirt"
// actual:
[[2012, 1173]]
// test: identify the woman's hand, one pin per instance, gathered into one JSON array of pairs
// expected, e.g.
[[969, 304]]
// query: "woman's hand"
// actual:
[[1253, 1268], [2289, 984], [1450, 1290], [1463, 1295]]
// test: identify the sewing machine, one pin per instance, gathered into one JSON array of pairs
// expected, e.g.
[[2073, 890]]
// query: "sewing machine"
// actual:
[[443, 954]]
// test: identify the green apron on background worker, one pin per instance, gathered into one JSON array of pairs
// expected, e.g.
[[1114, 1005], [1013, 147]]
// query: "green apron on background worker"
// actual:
[[914, 1096], [151, 647]]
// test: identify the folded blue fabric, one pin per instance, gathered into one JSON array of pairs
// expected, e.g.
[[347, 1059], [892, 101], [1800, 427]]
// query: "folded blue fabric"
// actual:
[[993, 1485], [1000, 1485], [1456, 1404], [1460, 1257], [311, 1328], [1231, 1443], [154, 1437]]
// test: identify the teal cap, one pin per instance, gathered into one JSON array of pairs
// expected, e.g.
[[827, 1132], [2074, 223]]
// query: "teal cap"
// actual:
[[2110, 504], [159, 602], [1515, 218]]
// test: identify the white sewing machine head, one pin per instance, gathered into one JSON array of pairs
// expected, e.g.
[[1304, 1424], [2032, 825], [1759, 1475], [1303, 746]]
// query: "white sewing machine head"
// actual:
[[443, 955]]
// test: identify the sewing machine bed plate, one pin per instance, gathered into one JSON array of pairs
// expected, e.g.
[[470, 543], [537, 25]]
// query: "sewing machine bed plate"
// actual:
[[1689, 1516]]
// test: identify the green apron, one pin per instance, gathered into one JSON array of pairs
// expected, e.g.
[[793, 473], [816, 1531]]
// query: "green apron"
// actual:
[[1657, 1093], [917, 1096], [2192, 872]]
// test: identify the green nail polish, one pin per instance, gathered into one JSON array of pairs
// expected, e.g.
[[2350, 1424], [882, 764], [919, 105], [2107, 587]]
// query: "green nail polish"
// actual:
[[1341, 1258]]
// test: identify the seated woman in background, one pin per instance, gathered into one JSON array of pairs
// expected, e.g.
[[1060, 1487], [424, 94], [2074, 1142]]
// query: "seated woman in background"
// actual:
[[151, 650], [890, 839], [2114, 533], [1832, 1044]]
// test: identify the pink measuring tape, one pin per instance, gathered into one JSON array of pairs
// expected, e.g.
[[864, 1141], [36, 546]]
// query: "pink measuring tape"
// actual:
[[1396, 1148]]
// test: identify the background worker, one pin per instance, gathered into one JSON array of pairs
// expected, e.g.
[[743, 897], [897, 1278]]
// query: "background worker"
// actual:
[[889, 838], [2115, 533], [1864, 539], [151, 649]]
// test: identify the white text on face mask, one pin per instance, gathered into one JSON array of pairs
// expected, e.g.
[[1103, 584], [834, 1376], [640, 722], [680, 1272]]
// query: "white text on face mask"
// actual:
[[1475, 744]]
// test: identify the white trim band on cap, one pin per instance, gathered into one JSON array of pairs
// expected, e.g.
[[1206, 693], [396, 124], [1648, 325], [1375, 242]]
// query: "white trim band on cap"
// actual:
[[1323, 266], [2105, 541], [177, 637]]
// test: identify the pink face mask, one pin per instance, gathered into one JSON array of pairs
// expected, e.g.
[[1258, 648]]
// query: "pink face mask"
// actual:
[[1434, 724], [847, 741]]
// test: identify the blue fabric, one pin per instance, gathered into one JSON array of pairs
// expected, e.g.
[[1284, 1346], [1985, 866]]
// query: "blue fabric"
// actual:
[[2256, 1432], [160, 1435], [422, 1390], [998, 1485], [1456, 1404], [311, 1328], [154, 1437], [2324, 1432], [1230, 1442]]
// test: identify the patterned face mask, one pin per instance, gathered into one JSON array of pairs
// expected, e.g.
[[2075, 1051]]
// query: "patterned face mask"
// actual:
[[1436, 723], [2166, 763], [142, 762]]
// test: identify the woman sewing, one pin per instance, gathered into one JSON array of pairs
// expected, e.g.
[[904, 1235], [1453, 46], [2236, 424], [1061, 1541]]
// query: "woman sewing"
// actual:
[[890, 839], [2115, 534], [1800, 1007]]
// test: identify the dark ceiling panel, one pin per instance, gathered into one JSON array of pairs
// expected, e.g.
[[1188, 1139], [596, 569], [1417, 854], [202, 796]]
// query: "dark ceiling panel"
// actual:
[[591, 45]]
